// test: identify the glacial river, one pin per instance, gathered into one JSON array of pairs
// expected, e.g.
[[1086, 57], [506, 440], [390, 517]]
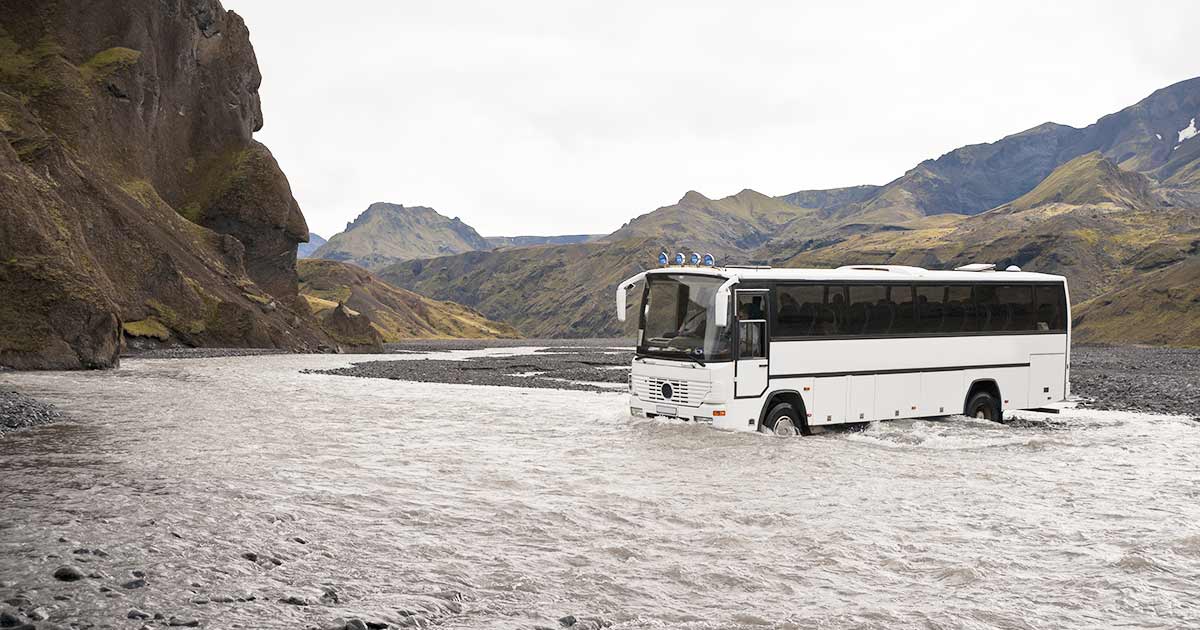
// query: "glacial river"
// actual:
[[230, 484]]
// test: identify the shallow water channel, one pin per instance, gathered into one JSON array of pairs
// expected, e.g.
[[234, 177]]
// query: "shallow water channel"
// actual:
[[234, 483]]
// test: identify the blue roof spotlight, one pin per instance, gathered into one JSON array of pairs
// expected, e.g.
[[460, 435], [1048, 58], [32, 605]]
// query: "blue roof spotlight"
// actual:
[[694, 259], [709, 261], [663, 259], [679, 258]]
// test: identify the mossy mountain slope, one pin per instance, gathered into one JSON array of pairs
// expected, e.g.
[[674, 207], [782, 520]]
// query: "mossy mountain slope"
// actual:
[[134, 202], [394, 313], [387, 233], [1159, 307], [728, 226], [546, 291]]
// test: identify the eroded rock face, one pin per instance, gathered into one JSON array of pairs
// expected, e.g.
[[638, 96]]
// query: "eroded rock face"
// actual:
[[133, 198]]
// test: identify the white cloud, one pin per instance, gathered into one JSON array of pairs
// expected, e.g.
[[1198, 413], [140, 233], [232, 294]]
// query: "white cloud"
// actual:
[[569, 116]]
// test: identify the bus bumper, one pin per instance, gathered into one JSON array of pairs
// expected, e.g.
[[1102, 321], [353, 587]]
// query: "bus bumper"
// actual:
[[716, 414]]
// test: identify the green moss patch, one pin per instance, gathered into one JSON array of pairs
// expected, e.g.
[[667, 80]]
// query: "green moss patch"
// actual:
[[106, 62], [143, 191], [148, 327]]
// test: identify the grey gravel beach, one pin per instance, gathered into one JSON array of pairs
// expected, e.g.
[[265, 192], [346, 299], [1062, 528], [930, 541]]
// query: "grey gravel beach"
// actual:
[[1139, 378], [19, 411]]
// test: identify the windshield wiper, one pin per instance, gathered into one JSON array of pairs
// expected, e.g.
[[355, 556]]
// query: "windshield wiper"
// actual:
[[685, 354]]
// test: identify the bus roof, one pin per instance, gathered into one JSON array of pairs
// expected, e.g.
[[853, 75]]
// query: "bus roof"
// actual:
[[884, 273]]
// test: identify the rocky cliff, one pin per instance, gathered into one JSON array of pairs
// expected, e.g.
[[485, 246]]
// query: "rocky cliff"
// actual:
[[134, 200]]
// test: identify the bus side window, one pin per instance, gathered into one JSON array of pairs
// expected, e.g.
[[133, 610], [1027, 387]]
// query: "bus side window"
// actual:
[[1051, 302], [798, 310], [930, 308], [1019, 302], [989, 312], [901, 297], [960, 311]]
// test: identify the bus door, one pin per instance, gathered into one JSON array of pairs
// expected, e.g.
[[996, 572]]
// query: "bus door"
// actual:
[[751, 367]]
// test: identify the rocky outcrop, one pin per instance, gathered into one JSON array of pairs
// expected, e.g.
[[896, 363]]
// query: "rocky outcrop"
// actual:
[[134, 201], [350, 330]]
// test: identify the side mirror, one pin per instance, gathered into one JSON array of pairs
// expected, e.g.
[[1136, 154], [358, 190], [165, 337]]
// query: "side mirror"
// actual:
[[622, 292], [721, 303]]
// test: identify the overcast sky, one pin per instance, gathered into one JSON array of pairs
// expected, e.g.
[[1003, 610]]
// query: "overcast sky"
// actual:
[[572, 117]]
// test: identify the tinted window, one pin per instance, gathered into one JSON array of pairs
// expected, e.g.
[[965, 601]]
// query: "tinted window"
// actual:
[[1050, 308], [801, 311], [902, 298], [866, 312], [959, 310], [1018, 306], [931, 311]]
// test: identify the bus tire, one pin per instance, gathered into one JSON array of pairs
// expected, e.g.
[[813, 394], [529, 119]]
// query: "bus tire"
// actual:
[[783, 420], [985, 407]]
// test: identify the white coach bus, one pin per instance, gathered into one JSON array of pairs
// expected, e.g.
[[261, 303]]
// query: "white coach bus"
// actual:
[[787, 350]]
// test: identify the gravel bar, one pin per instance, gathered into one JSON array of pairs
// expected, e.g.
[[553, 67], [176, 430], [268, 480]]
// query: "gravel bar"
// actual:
[[1141, 378], [18, 411], [582, 370]]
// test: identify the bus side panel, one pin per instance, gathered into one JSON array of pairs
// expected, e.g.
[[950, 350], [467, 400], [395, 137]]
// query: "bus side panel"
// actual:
[[1012, 381], [1047, 374], [942, 393], [861, 406], [897, 395], [829, 400]]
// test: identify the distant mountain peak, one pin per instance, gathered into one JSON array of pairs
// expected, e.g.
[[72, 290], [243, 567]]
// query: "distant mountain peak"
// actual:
[[692, 196], [386, 233]]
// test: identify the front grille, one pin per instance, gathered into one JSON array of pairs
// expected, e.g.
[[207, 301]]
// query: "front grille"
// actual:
[[686, 393]]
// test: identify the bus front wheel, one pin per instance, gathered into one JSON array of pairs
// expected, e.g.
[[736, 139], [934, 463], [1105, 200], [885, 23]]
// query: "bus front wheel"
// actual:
[[783, 420], [984, 407]]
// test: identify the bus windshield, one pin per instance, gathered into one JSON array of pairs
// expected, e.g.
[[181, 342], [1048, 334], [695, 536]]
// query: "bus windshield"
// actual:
[[679, 322]]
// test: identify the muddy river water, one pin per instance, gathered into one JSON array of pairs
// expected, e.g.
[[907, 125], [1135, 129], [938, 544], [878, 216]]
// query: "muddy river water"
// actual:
[[241, 492]]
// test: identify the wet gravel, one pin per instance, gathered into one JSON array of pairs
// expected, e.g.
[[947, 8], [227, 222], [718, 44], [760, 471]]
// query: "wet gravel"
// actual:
[[544, 345], [18, 411], [580, 369], [1141, 378]]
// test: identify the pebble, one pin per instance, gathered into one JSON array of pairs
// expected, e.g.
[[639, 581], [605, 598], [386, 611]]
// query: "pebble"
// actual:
[[68, 573], [294, 600], [135, 583], [9, 620], [134, 613], [183, 622], [39, 614]]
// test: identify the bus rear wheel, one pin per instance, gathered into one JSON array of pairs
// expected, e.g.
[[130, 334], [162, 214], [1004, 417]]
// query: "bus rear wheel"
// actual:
[[782, 420], [984, 406]]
